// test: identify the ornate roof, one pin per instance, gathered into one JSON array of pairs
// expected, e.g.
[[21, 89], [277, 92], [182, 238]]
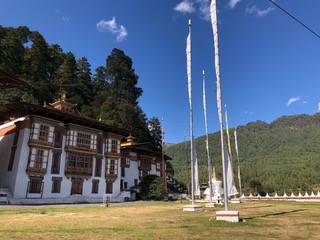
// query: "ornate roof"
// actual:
[[21, 109]]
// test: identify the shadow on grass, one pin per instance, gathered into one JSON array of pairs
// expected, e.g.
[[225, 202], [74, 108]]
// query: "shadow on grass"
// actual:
[[274, 214]]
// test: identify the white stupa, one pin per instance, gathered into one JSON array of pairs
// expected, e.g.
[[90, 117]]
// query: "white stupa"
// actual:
[[217, 190]]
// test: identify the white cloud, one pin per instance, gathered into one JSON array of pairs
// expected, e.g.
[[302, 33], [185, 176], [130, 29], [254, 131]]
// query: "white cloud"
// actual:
[[259, 12], [319, 107], [113, 27], [195, 6], [62, 15], [184, 7], [204, 9], [233, 3], [292, 100], [248, 112]]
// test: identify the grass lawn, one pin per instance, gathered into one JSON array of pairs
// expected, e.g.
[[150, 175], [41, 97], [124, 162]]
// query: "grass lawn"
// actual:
[[162, 220]]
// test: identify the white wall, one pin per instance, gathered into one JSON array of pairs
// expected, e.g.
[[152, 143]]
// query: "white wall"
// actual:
[[19, 177], [5, 152], [131, 173]]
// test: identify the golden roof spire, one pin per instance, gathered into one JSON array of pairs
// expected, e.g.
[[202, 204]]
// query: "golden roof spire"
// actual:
[[214, 176]]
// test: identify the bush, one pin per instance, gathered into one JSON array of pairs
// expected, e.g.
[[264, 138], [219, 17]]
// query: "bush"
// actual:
[[152, 187]]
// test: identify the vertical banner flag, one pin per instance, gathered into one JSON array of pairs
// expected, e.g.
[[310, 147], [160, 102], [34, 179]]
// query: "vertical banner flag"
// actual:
[[205, 111], [192, 148], [228, 135], [213, 12], [206, 128], [188, 52], [231, 189], [196, 174], [237, 152], [224, 156]]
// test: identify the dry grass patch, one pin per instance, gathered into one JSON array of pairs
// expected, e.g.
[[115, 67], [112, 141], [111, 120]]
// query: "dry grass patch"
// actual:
[[163, 220]]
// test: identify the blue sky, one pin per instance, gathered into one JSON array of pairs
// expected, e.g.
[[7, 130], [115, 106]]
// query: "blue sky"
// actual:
[[270, 65]]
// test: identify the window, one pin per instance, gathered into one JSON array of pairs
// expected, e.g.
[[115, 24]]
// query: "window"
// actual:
[[35, 185], [135, 182], [83, 140], [125, 185], [97, 171], [114, 146], [99, 144], [55, 169], [56, 184], [14, 146], [143, 173], [76, 187], [159, 165], [112, 166], [145, 164], [123, 170], [43, 133], [95, 186], [58, 139], [38, 158], [109, 187], [125, 162], [79, 160]]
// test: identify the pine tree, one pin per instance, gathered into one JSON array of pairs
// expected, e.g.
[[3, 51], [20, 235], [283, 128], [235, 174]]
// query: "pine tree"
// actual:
[[81, 92], [66, 77], [155, 131], [36, 69], [121, 107]]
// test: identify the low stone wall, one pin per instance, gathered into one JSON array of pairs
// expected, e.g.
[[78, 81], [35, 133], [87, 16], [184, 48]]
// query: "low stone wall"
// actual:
[[300, 198]]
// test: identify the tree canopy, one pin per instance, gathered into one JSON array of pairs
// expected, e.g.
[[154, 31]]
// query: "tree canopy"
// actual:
[[109, 94]]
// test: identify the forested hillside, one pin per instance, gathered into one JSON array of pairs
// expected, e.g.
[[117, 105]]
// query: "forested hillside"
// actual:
[[283, 156]]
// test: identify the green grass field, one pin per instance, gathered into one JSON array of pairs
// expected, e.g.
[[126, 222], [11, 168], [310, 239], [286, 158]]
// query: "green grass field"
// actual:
[[162, 220]]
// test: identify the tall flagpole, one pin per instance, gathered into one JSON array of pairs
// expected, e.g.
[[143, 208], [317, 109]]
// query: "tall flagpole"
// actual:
[[214, 23], [188, 53], [207, 136]]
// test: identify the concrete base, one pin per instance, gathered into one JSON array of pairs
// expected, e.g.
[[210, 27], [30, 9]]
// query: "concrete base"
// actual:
[[210, 205], [229, 216], [192, 208], [235, 200]]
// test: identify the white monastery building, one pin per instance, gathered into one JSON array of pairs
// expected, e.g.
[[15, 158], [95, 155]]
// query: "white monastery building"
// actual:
[[51, 154]]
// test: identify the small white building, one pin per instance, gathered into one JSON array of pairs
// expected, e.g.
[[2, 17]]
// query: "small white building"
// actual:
[[51, 154]]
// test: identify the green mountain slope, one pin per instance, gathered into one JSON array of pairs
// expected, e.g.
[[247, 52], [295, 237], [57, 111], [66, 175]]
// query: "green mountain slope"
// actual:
[[283, 156]]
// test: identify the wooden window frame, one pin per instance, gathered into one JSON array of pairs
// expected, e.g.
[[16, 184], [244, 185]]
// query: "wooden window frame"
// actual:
[[112, 166], [35, 185], [98, 167], [84, 140], [109, 187], [56, 161], [95, 186], [56, 184]]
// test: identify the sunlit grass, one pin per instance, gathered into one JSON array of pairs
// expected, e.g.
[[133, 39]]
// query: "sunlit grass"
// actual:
[[163, 220]]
